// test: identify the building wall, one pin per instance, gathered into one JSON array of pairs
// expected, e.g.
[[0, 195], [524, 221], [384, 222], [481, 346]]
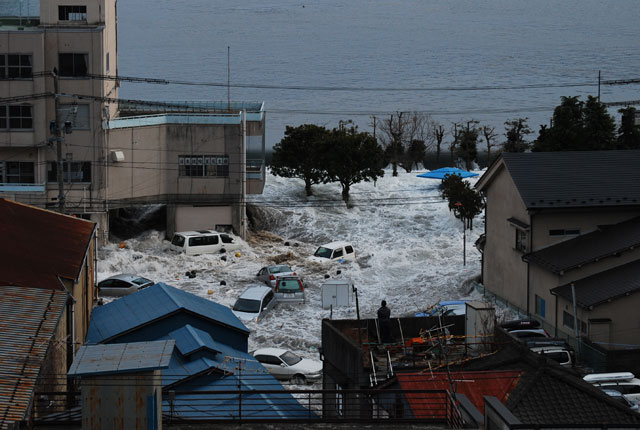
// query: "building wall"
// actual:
[[585, 220], [505, 274]]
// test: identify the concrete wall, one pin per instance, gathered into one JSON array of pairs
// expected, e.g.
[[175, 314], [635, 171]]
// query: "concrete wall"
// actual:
[[505, 274]]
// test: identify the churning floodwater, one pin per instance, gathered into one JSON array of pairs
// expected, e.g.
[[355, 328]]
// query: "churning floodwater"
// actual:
[[423, 50]]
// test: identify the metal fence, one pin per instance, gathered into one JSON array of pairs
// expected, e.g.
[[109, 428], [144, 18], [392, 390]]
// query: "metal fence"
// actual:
[[354, 406]]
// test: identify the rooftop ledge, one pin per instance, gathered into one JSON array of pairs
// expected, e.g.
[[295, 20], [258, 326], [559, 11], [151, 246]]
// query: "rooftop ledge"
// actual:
[[149, 114]]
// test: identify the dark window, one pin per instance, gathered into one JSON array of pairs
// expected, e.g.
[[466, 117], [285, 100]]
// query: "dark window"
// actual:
[[204, 165], [521, 240], [337, 253], [120, 284], [628, 389], [15, 66], [348, 249], [19, 172], [178, 240], [16, 117], [558, 232], [226, 238], [72, 13], [564, 232], [73, 171], [107, 63], [73, 65], [540, 306], [267, 299], [269, 359], [203, 240]]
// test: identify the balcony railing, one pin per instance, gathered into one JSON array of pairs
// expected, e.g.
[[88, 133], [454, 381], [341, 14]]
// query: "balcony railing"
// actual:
[[255, 168], [22, 188]]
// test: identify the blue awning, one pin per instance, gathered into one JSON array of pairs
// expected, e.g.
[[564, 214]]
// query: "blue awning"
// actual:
[[441, 173]]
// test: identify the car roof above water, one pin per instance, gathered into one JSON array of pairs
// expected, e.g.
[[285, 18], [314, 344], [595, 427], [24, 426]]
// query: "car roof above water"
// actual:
[[195, 233], [255, 292], [336, 244]]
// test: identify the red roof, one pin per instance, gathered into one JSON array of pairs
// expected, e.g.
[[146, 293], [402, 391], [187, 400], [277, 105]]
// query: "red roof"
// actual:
[[474, 385], [38, 245]]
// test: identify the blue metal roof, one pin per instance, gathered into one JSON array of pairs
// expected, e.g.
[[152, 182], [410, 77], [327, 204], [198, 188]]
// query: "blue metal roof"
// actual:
[[151, 304], [224, 359], [441, 173], [122, 358], [190, 339]]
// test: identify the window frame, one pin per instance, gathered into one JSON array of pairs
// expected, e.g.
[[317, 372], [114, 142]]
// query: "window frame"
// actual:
[[5, 172], [62, 72], [6, 66], [83, 110], [203, 166], [67, 172], [521, 240], [65, 12], [7, 119]]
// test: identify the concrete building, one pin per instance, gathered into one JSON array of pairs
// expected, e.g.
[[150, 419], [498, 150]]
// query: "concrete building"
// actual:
[[562, 219], [59, 101]]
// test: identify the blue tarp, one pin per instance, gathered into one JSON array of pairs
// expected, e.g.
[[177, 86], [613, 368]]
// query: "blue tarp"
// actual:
[[441, 173]]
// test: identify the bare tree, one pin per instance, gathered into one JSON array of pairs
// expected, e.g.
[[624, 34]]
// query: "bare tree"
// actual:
[[439, 133], [392, 135], [456, 132], [489, 134], [418, 139]]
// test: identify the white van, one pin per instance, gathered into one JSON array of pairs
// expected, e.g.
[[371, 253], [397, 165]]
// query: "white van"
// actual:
[[334, 251], [203, 242]]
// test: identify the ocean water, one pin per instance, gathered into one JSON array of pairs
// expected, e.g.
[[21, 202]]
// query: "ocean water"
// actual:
[[404, 55]]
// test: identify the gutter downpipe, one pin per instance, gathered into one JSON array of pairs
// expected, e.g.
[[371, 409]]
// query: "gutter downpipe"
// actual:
[[575, 318]]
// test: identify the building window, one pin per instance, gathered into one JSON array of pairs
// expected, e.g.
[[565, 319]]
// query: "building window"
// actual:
[[107, 63], [73, 171], [204, 165], [73, 65], [15, 117], [78, 114], [339, 400], [521, 240], [72, 13], [15, 66], [541, 306], [17, 172], [564, 232], [567, 321]]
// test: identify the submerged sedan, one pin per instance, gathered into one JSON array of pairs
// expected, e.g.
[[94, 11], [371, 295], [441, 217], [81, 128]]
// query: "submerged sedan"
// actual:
[[283, 364]]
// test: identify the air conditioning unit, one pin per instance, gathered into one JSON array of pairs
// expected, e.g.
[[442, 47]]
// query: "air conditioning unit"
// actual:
[[117, 156]]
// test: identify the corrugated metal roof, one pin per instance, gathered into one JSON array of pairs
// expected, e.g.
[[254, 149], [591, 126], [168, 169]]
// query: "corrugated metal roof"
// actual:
[[474, 385], [151, 304], [29, 318], [606, 241], [605, 286], [122, 358], [547, 180], [39, 245]]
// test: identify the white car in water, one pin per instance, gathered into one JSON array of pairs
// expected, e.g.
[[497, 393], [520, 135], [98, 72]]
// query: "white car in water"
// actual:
[[334, 251], [283, 364]]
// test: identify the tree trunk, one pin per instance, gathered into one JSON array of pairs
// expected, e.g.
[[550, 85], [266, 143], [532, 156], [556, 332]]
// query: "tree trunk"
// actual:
[[345, 193], [438, 156], [307, 187], [395, 168]]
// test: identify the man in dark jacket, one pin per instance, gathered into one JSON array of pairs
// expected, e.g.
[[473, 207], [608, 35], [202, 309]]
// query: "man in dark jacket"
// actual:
[[384, 320]]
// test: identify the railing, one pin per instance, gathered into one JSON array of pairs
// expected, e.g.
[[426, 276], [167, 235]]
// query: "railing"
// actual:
[[277, 406], [22, 188]]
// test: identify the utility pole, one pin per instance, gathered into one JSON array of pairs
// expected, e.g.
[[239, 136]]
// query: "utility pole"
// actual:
[[58, 139]]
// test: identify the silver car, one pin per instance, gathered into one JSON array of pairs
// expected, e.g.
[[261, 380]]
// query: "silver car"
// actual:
[[289, 289], [254, 302], [270, 274], [122, 285]]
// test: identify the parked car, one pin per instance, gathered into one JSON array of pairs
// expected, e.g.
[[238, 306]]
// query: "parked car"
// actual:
[[283, 364], [524, 329], [624, 382], [270, 274], [334, 251], [444, 308], [289, 289], [563, 356], [622, 399], [122, 285], [254, 303], [203, 242]]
